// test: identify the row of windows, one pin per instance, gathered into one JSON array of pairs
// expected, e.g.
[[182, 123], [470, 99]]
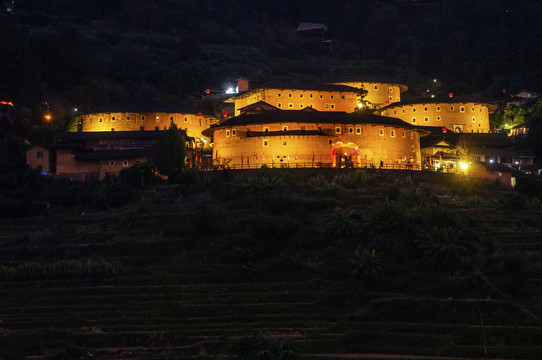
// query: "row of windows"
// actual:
[[101, 119], [426, 119], [302, 106], [461, 109], [338, 130], [311, 96], [112, 162]]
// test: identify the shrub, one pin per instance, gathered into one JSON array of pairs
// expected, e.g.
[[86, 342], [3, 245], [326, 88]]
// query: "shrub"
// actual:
[[140, 175]]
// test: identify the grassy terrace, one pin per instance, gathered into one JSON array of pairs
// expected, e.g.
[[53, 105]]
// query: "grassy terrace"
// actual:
[[274, 255]]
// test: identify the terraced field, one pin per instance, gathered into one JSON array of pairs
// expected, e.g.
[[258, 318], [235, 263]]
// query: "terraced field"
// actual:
[[195, 275]]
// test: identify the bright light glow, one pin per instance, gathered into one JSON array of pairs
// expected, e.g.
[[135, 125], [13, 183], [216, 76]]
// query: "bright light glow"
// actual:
[[434, 80], [491, 161], [505, 125], [48, 117], [463, 165], [517, 162], [230, 90], [360, 105], [75, 109], [10, 103], [432, 95]]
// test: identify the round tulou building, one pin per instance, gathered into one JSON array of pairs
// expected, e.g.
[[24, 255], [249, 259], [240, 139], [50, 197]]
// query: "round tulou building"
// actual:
[[309, 138], [460, 115]]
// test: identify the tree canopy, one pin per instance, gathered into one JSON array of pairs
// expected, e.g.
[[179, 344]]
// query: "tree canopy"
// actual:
[[170, 153]]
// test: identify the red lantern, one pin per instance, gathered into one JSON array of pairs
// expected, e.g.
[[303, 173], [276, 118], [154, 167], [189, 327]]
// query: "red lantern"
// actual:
[[504, 91], [451, 94], [444, 130], [387, 101], [225, 113], [199, 114], [207, 91]]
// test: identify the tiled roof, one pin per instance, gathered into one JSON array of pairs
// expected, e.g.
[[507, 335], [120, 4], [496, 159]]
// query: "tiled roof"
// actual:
[[318, 117], [144, 108], [98, 135], [113, 154]]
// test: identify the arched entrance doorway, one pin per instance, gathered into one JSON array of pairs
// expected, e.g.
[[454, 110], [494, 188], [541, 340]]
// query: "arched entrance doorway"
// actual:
[[345, 155]]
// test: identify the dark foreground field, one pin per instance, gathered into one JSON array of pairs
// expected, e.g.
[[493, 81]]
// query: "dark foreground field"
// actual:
[[358, 265]]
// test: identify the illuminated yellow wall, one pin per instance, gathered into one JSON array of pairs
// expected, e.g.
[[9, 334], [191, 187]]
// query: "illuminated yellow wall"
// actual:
[[294, 99], [391, 144], [470, 117], [193, 124], [378, 94]]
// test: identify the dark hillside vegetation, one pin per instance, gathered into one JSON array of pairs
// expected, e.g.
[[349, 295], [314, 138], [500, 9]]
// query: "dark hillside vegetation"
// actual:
[[103, 51], [322, 264]]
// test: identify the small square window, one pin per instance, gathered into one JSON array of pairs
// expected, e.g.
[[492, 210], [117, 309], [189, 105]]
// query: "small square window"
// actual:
[[100, 119], [265, 143], [451, 108], [350, 130], [473, 119], [425, 109], [142, 117], [337, 130], [311, 96], [311, 105], [381, 132], [331, 97], [413, 110], [279, 95], [112, 118], [285, 128], [227, 133], [125, 163], [326, 106], [284, 143], [233, 132], [156, 128], [390, 90], [279, 105], [438, 108], [376, 87], [39, 155], [472, 109], [171, 118], [185, 119], [112, 129], [358, 131], [392, 133], [289, 95], [266, 129], [390, 98], [128, 117], [142, 128], [438, 118], [403, 134], [413, 119], [321, 96], [301, 96], [333, 106], [330, 142], [301, 106], [426, 119], [342, 97], [112, 163], [462, 109], [290, 105], [403, 111]]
